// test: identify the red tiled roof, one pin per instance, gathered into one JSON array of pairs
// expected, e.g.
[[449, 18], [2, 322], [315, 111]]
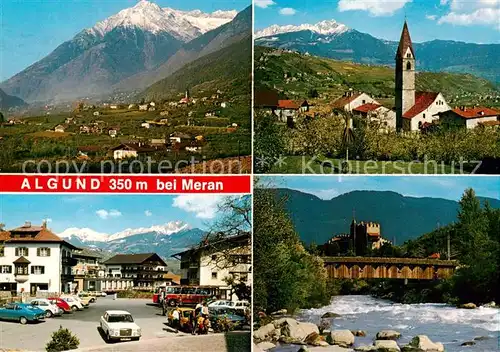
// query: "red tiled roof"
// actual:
[[422, 101], [343, 101], [367, 107], [288, 104], [405, 42], [42, 235], [474, 113]]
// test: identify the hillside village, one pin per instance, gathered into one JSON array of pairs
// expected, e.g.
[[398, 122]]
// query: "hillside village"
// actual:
[[410, 110]]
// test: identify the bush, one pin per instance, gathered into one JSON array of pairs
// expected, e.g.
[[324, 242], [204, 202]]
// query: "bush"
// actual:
[[62, 340], [135, 294]]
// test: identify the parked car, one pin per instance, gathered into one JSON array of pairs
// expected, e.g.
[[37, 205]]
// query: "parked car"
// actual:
[[50, 308], [91, 297], [239, 306], [73, 302], [22, 313], [99, 294], [85, 302], [61, 304], [119, 325], [222, 318]]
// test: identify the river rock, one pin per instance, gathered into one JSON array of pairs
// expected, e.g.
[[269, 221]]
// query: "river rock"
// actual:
[[492, 304], [266, 345], [257, 348], [366, 348], [264, 332], [294, 330], [481, 338], [329, 349], [343, 338], [422, 343], [324, 325], [360, 333], [468, 306], [313, 339], [387, 346], [329, 315], [468, 343], [388, 335]]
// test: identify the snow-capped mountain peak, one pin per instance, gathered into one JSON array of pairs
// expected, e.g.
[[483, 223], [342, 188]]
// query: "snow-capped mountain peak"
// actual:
[[89, 235], [148, 16], [328, 27]]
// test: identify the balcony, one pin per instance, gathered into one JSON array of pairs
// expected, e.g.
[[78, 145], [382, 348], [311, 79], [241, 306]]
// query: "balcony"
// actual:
[[68, 261], [21, 278], [190, 265]]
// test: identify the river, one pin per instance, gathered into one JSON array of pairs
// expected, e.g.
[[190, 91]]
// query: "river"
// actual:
[[440, 322]]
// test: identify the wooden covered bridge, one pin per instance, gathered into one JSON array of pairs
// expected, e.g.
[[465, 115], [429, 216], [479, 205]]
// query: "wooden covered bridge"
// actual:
[[389, 268]]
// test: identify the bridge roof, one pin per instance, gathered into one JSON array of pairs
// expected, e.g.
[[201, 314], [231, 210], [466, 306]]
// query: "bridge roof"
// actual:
[[386, 260]]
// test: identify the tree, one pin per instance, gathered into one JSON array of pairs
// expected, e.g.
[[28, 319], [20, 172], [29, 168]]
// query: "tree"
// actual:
[[62, 340], [268, 143], [313, 93], [2, 118]]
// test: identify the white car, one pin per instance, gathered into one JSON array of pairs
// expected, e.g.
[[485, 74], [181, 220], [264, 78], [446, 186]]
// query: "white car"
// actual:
[[73, 302], [224, 304], [119, 325], [50, 308]]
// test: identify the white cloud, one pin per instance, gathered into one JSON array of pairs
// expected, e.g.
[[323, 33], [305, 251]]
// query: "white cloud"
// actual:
[[106, 214], [374, 7], [204, 206], [287, 11], [264, 4], [444, 2], [473, 13], [148, 213], [431, 17]]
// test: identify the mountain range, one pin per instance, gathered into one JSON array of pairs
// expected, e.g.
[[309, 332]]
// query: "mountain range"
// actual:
[[400, 217], [334, 40], [127, 51], [165, 239]]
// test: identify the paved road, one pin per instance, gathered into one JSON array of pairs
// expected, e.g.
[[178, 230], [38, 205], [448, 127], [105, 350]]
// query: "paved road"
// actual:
[[83, 324]]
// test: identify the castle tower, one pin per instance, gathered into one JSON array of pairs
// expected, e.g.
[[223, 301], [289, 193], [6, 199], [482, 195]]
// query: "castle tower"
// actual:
[[405, 76]]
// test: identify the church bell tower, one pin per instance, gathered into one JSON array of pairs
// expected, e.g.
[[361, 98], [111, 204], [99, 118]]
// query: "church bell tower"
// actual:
[[405, 76]]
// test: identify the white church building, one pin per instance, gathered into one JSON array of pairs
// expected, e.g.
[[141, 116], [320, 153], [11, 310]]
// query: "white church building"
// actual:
[[413, 109]]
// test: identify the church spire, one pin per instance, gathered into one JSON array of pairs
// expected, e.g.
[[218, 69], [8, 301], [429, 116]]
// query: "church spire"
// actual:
[[405, 42]]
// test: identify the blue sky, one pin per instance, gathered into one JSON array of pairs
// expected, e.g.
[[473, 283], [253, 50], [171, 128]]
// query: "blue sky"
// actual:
[[31, 29], [447, 187], [107, 213], [462, 20]]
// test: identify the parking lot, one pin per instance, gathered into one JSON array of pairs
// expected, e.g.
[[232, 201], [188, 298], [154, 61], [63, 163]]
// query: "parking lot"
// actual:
[[83, 324]]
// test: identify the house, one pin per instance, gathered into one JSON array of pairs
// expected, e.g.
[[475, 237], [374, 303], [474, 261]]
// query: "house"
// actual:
[[145, 125], [152, 103], [114, 106], [113, 132], [33, 258], [15, 121], [164, 113], [146, 270], [60, 128], [87, 269], [413, 109], [179, 137], [379, 114], [224, 104], [210, 114], [352, 100], [194, 146], [469, 117], [144, 107], [266, 100], [287, 111], [130, 150], [131, 106], [152, 108], [69, 120], [212, 261], [96, 113], [163, 121]]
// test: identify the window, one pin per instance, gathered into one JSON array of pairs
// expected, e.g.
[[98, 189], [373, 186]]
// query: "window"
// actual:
[[38, 269], [22, 251], [6, 269], [408, 55], [43, 252], [408, 66], [22, 270], [214, 275], [424, 116], [364, 102]]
